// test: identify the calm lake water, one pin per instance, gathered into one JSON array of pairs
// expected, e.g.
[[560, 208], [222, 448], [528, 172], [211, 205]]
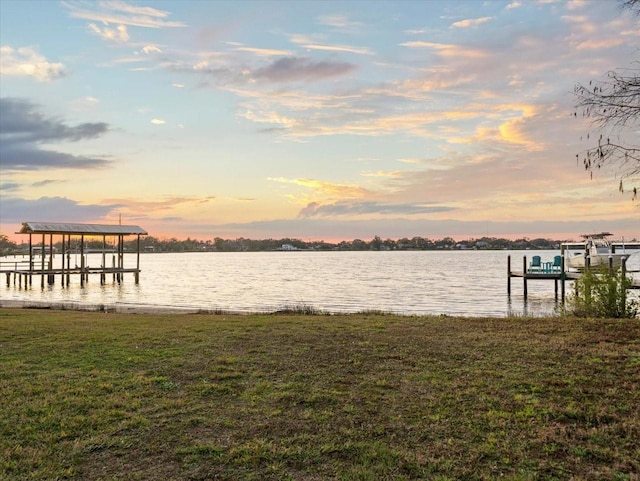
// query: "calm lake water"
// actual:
[[467, 283]]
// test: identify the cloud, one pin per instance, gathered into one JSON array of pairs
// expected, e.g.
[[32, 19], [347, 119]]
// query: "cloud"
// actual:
[[292, 69], [264, 52], [118, 34], [447, 50], [346, 208], [45, 182], [339, 48], [151, 49], [22, 123], [472, 22], [325, 188], [27, 62], [55, 209], [158, 121], [33, 159], [23, 129], [121, 13], [338, 21], [85, 103], [160, 205], [600, 44], [9, 186]]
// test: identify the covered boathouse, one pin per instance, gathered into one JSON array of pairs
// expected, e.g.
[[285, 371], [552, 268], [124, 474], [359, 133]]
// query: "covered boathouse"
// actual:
[[73, 239]]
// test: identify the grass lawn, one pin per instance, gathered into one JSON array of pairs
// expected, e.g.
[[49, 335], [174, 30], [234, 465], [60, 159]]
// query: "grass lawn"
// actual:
[[86, 395]]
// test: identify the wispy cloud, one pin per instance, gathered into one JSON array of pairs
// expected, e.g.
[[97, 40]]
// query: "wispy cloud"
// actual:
[[117, 34], [338, 21], [151, 49], [326, 188], [310, 43], [85, 102], [600, 44], [158, 121], [58, 209], [292, 69], [23, 129], [358, 208], [27, 62], [447, 50], [9, 186], [121, 13], [156, 205], [339, 48], [471, 22], [265, 52]]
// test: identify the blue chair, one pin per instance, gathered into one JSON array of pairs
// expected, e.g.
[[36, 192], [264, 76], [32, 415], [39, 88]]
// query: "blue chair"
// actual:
[[557, 264], [535, 265]]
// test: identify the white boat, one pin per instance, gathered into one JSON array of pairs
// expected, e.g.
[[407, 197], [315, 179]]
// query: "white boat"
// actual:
[[599, 250]]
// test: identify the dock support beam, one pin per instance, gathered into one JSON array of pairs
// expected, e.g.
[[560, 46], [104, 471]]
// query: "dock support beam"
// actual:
[[524, 276], [509, 276]]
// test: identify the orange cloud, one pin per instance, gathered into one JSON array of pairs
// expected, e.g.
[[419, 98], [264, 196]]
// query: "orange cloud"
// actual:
[[326, 188], [447, 50]]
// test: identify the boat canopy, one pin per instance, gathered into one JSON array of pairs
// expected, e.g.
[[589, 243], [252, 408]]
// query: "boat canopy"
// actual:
[[79, 229]]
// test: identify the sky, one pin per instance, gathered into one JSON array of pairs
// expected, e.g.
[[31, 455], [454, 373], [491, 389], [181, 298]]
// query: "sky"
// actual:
[[311, 120]]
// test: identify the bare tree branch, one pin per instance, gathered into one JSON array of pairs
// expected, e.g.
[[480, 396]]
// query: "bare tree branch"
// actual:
[[613, 106]]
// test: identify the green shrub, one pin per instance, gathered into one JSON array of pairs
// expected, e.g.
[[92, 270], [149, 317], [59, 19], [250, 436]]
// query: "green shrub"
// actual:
[[601, 292]]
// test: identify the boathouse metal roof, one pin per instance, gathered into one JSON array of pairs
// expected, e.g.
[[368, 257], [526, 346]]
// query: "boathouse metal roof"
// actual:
[[79, 229]]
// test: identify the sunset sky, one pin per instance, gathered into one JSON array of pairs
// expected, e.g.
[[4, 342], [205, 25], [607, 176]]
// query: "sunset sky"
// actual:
[[313, 120]]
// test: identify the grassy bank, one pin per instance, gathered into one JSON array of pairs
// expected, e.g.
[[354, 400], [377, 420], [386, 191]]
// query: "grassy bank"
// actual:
[[358, 397]]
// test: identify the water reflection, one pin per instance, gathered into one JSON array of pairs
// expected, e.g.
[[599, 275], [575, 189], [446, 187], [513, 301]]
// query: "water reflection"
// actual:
[[469, 283]]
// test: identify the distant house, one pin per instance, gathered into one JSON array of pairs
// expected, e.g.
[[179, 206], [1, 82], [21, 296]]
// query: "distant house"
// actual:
[[287, 247]]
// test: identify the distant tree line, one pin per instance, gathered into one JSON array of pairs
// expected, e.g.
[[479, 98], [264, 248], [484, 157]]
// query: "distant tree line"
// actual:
[[241, 244], [154, 244]]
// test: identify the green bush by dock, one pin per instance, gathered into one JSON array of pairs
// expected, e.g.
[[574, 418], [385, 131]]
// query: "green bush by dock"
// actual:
[[107, 396]]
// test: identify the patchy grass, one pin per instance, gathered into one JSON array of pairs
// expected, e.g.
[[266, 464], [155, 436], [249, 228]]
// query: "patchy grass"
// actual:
[[108, 396]]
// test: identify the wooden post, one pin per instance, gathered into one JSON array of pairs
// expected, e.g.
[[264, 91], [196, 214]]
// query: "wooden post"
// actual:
[[42, 264], [564, 276], [524, 276], [62, 270], [82, 260], [31, 266], [137, 274], [623, 273], [50, 279], [68, 259], [104, 260], [509, 275]]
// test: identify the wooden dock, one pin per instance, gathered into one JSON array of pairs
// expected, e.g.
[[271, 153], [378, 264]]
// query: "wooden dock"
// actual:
[[559, 276], [22, 272]]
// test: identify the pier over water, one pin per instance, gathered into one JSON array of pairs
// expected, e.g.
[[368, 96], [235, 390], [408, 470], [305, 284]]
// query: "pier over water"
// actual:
[[41, 261], [555, 271]]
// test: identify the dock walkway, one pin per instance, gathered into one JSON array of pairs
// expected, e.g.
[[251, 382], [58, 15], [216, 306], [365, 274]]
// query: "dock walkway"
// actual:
[[559, 276]]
